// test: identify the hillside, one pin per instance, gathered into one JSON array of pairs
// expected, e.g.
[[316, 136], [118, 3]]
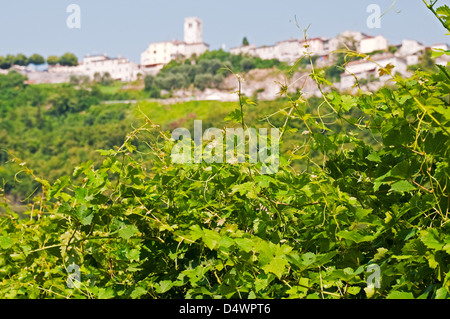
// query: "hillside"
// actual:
[[339, 196]]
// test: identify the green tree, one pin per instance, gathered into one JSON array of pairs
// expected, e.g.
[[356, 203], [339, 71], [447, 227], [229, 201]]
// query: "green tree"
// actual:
[[36, 59], [4, 63], [74, 80], [245, 41], [247, 64], [68, 59], [203, 81], [426, 63], [20, 59], [12, 80], [97, 77], [52, 60], [151, 87], [107, 80]]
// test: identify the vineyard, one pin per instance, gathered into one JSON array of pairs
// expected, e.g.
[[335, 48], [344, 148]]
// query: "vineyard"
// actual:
[[359, 206]]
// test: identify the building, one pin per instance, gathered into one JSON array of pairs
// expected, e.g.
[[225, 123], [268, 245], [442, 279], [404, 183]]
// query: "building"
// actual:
[[286, 51], [371, 44], [119, 68], [244, 50], [410, 47], [411, 51], [316, 46], [289, 50], [292, 50], [159, 54], [366, 69], [347, 39], [444, 59]]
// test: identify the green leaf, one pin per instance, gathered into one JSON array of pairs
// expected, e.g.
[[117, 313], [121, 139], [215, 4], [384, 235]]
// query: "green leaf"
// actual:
[[133, 254], [348, 102], [374, 157], [105, 293], [137, 292], [84, 214], [402, 186], [128, 231], [245, 244], [355, 236], [211, 238], [235, 116], [5, 242], [441, 293], [276, 266], [431, 239], [308, 258], [164, 286]]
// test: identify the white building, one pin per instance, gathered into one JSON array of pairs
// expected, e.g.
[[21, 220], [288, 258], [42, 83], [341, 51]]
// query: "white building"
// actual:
[[371, 44], [289, 50], [266, 52], [193, 32], [366, 69], [244, 50], [347, 39], [410, 47], [119, 68], [286, 51], [159, 54], [411, 50]]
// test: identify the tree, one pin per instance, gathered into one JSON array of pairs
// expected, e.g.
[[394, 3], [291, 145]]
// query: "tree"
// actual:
[[247, 64], [151, 86], [426, 63], [4, 63], [68, 59], [107, 79], [20, 59], [52, 60], [36, 59], [11, 80], [74, 80], [97, 77], [245, 42], [202, 81], [64, 101]]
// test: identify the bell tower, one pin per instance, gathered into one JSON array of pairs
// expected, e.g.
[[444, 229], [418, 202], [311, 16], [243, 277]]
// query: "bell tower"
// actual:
[[192, 30]]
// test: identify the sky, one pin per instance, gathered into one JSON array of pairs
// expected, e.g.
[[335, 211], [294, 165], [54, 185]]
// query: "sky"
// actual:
[[126, 28]]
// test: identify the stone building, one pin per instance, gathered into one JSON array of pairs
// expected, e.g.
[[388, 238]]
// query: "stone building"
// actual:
[[159, 54]]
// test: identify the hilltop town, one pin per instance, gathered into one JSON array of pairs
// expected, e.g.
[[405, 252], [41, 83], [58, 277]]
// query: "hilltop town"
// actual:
[[401, 56]]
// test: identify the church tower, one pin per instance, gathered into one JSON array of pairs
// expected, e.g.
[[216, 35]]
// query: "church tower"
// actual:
[[192, 30]]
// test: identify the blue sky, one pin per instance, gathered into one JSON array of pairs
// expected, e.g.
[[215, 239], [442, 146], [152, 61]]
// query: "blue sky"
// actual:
[[126, 27]]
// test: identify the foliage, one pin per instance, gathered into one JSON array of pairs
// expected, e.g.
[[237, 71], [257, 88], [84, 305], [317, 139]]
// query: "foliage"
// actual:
[[20, 59], [426, 63], [206, 71], [68, 59], [52, 60], [36, 59], [139, 226]]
